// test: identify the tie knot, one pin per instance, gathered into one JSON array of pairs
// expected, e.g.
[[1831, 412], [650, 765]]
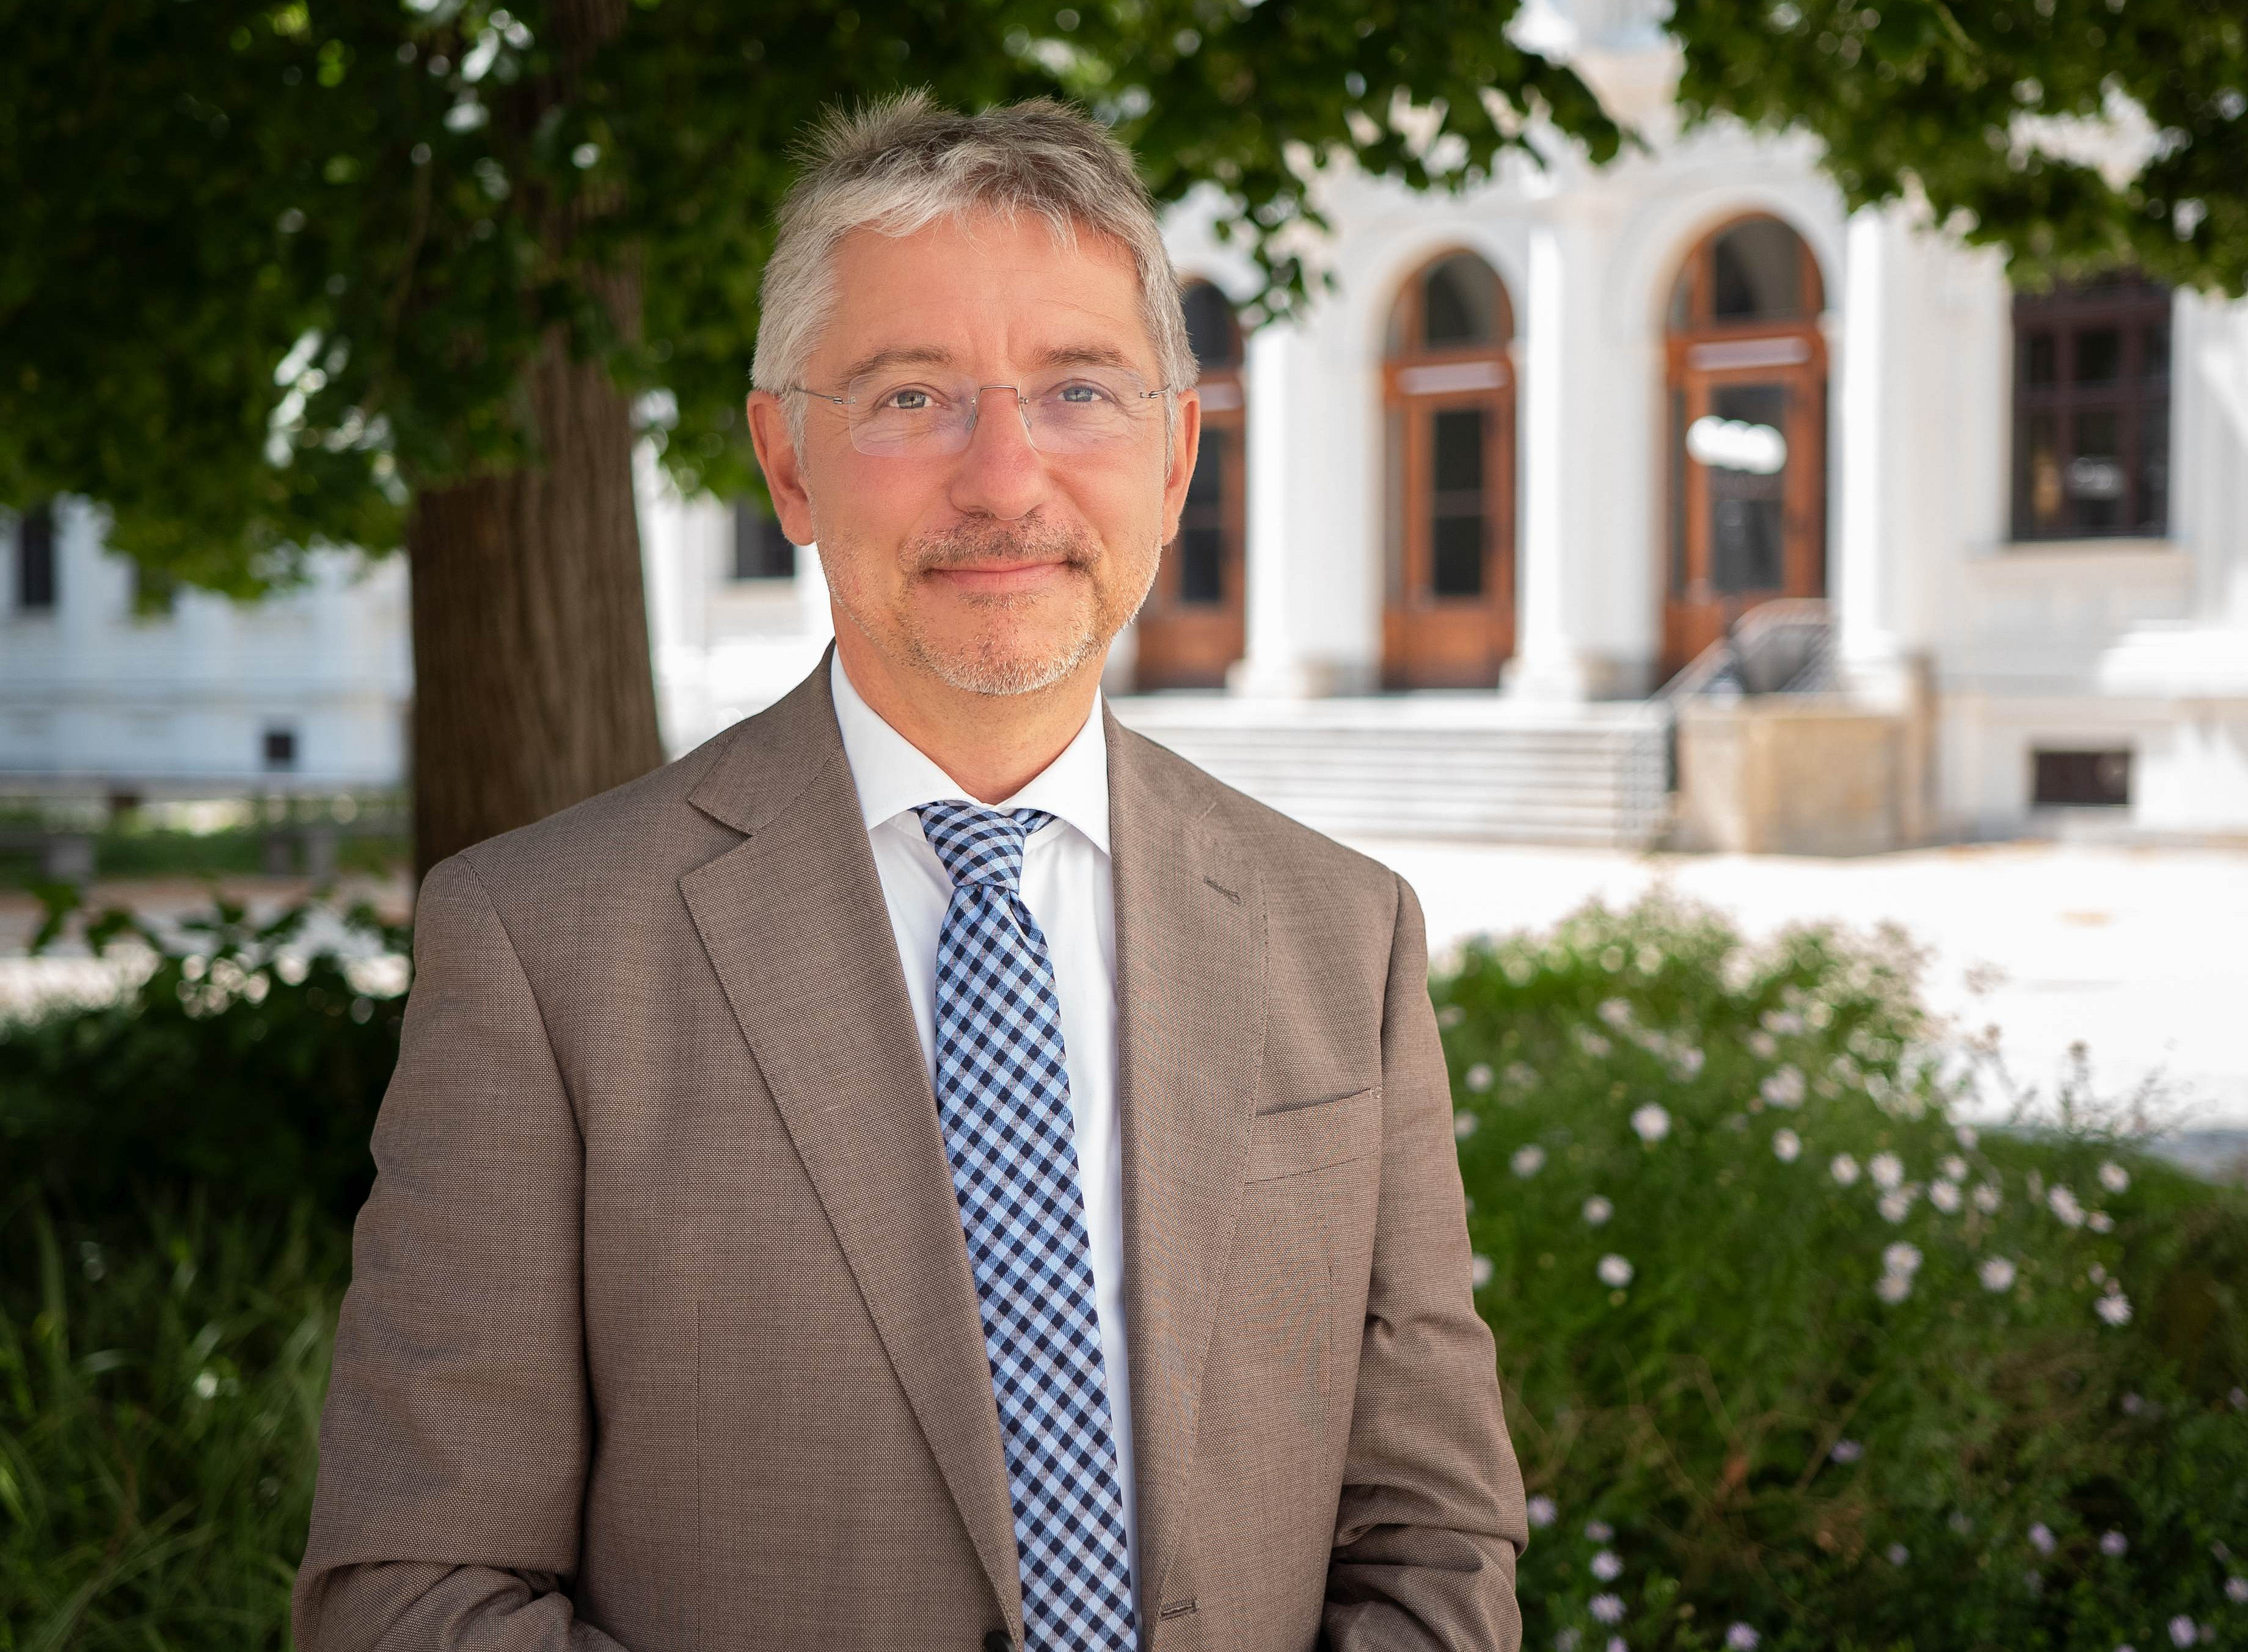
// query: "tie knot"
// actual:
[[979, 845]]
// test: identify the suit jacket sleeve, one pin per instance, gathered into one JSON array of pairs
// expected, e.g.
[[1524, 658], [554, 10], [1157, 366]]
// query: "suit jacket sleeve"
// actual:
[[1431, 1519], [454, 1442]]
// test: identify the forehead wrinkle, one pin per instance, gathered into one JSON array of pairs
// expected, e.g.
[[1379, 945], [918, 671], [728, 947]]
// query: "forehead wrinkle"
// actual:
[[916, 355]]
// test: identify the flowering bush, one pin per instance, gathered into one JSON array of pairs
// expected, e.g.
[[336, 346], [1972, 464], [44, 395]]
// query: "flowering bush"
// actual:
[[1795, 1359]]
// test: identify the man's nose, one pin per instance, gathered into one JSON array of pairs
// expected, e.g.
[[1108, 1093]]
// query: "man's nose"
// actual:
[[1001, 473]]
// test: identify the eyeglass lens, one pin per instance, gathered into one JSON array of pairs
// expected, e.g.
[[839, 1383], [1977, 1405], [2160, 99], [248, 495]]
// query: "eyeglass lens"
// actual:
[[1075, 411]]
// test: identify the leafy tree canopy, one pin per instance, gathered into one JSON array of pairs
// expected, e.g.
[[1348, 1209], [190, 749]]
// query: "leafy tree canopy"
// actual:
[[274, 267]]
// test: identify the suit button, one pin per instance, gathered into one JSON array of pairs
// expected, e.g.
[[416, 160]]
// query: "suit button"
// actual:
[[998, 1640]]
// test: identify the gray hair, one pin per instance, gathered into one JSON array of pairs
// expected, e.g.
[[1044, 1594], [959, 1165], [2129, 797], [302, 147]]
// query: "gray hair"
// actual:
[[899, 164]]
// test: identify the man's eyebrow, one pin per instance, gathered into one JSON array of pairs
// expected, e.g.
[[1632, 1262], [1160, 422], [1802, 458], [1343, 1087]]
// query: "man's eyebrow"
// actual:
[[920, 355], [1085, 356]]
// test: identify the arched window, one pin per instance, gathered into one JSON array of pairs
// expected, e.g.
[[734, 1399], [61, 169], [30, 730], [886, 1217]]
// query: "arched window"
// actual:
[[2092, 409], [1747, 368], [1192, 627], [1448, 393]]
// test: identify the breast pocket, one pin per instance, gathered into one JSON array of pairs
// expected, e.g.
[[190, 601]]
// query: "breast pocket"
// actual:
[[1299, 1140]]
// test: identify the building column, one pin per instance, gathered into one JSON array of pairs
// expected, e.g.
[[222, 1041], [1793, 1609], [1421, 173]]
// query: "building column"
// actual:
[[1550, 660], [1863, 583]]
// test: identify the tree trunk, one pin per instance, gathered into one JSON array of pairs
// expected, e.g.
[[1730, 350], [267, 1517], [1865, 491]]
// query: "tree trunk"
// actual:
[[531, 683], [532, 688]]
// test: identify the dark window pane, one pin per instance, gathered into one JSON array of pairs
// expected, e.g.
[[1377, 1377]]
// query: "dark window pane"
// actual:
[[1201, 565], [2155, 358], [761, 550], [1460, 303], [2095, 479], [1210, 327], [2098, 355], [2038, 359], [1207, 485], [1678, 493], [35, 561], [1458, 449], [280, 748], [1456, 564], [1748, 506], [1757, 272], [2042, 465], [2081, 779], [2154, 468]]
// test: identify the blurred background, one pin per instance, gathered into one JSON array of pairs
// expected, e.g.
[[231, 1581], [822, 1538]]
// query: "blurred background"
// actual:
[[1777, 468]]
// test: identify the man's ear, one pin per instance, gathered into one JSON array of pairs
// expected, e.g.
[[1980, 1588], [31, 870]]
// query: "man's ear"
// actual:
[[1186, 443], [783, 465]]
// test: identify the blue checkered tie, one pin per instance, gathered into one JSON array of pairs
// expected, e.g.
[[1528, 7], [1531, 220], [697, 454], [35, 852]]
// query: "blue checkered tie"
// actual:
[[1003, 1098]]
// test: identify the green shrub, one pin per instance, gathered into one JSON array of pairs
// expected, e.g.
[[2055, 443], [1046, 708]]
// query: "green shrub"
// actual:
[[159, 1400], [242, 1062], [1792, 1356]]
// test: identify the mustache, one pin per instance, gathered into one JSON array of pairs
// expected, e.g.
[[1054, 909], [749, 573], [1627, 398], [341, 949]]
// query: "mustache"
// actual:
[[988, 543]]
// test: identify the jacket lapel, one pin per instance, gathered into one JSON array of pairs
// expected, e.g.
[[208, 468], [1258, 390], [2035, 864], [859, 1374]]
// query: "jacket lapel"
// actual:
[[795, 924], [1191, 1005]]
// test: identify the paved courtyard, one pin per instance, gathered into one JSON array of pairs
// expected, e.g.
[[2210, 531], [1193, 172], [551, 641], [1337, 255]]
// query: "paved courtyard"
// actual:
[[2141, 953]]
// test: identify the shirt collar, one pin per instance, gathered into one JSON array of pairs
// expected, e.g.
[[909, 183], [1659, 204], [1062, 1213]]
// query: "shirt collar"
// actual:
[[894, 775]]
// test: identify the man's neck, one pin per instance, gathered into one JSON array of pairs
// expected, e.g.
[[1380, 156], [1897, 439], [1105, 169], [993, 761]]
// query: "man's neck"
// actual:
[[992, 744]]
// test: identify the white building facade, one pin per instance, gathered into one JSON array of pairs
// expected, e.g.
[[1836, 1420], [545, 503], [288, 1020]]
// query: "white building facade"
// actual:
[[1541, 446]]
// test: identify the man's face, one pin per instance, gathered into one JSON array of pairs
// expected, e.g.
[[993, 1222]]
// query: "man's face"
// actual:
[[1000, 569]]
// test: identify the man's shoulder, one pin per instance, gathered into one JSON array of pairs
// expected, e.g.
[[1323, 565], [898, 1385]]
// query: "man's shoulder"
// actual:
[[1284, 852]]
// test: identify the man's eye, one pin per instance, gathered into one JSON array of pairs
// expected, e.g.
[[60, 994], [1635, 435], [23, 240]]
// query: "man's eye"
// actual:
[[1082, 394], [907, 401]]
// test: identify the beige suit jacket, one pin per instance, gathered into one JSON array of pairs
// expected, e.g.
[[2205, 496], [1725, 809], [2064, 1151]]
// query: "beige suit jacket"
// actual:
[[662, 1333]]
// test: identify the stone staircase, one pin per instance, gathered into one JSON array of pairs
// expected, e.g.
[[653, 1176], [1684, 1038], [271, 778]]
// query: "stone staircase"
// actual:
[[1432, 766]]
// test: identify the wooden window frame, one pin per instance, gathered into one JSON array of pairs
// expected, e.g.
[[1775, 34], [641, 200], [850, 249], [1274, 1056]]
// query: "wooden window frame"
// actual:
[[2130, 303]]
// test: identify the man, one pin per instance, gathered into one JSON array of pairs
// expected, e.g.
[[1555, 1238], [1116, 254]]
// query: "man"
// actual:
[[928, 1168]]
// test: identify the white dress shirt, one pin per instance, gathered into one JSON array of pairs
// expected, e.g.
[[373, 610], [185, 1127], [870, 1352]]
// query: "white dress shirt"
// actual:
[[1067, 886]]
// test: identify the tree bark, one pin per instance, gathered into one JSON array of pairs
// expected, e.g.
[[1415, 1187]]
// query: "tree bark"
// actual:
[[532, 686]]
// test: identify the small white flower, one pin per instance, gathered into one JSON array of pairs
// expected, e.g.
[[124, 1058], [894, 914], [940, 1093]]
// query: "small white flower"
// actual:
[[206, 1384], [1764, 1043], [1527, 1162], [1616, 1012], [2183, 1631], [1987, 1198], [2114, 1176], [1520, 1075], [1616, 1644], [2236, 1590], [2127, 1646], [1608, 1608], [1785, 1022], [2116, 1309], [2100, 1222], [1598, 1210], [2063, 1204], [1464, 1125], [1451, 1015], [1945, 1195], [1478, 1077], [1742, 1638], [1599, 1531], [1614, 1271], [1686, 1064], [1783, 1088], [1607, 1568], [1541, 1511], [2113, 1544], [1895, 1207], [2041, 1538], [2097, 1274], [1786, 1146], [1481, 1269], [1900, 1258], [2132, 1405], [2237, 1399], [1564, 1640], [1898, 1554], [1845, 1168], [1955, 1168], [1886, 1169], [1893, 1287], [1847, 1452], [1651, 1123], [1997, 1274], [1967, 1136], [1593, 1044]]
